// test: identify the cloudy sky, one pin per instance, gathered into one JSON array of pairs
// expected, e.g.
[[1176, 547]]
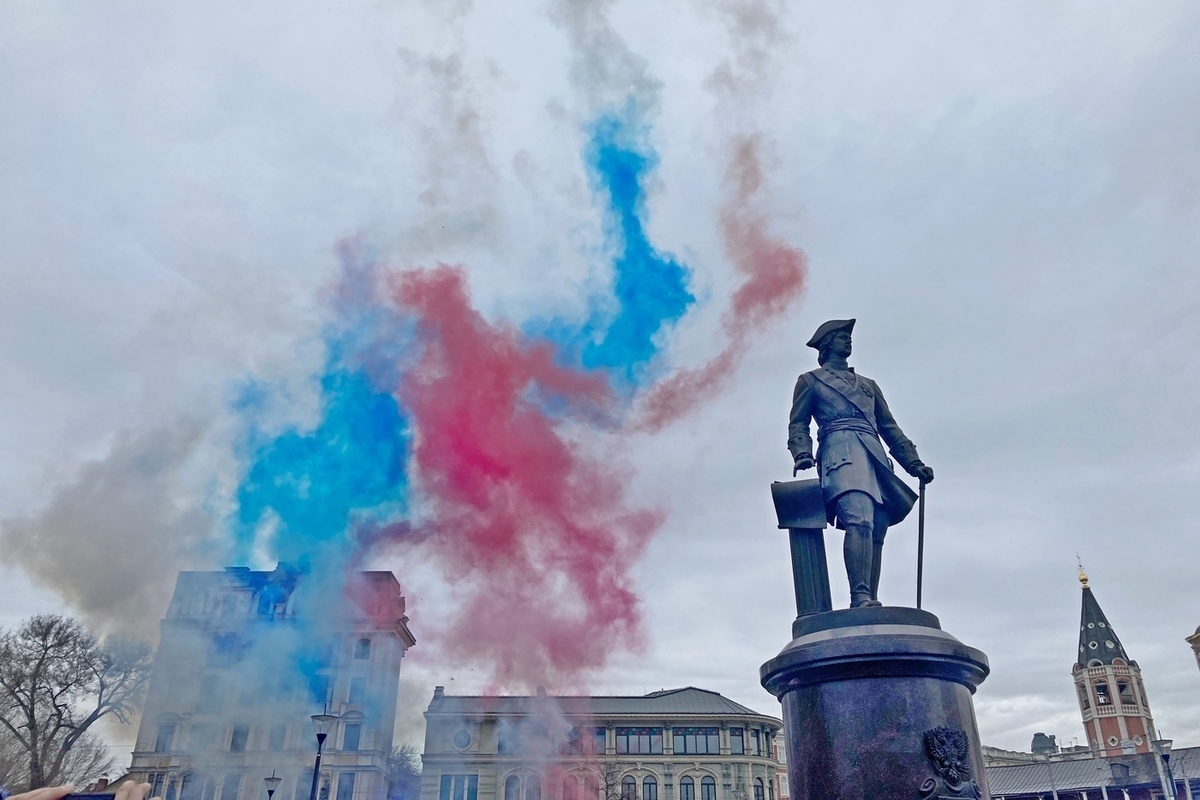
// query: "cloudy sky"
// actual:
[[1006, 196]]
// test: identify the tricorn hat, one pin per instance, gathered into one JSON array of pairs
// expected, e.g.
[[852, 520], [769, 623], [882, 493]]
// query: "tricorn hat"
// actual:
[[827, 328]]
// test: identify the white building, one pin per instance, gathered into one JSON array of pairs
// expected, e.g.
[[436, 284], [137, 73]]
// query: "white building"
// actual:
[[681, 744], [245, 658]]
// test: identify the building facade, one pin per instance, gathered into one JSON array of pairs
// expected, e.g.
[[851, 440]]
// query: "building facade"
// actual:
[[1108, 684], [681, 744], [245, 658]]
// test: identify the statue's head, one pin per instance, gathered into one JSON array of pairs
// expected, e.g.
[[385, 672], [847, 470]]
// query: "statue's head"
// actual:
[[833, 339]]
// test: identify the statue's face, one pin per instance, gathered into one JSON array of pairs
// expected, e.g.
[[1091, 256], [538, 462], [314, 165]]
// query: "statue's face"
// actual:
[[840, 344]]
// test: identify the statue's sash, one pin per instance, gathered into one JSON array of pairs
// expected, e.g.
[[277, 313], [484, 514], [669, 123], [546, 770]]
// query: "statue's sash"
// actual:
[[852, 391]]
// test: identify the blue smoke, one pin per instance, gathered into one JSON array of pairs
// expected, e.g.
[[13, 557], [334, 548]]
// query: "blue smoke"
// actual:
[[351, 467], [649, 287]]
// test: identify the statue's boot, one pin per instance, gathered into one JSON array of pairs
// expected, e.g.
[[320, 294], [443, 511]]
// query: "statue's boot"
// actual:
[[876, 566], [858, 552]]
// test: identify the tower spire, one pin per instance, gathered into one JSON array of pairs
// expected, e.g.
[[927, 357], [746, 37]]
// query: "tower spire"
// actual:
[[1112, 699]]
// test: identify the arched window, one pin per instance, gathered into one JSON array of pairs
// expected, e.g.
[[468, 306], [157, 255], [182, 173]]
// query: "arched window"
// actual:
[[362, 649], [687, 789], [512, 788], [570, 788], [628, 788], [708, 789], [591, 788], [649, 789], [1102, 696], [759, 790], [533, 788]]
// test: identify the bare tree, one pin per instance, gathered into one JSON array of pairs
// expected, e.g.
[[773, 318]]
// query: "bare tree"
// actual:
[[56, 681], [404, 773]]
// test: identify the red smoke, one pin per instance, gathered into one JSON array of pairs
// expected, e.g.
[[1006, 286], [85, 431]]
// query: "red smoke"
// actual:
[[773, 278], [536, 530]]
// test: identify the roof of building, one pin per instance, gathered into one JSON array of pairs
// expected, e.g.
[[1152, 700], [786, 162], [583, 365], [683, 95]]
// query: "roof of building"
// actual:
[[685, 700], [1097, 639], [1089, 773]]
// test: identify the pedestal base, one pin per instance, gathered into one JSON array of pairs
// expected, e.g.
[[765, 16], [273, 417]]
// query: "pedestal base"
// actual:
[[877, 706]]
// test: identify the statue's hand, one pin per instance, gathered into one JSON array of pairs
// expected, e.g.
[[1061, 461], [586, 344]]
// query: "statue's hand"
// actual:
[[921, 472], [803, 461]]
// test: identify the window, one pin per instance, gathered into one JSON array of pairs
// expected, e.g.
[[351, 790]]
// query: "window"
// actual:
[[318, 689], [229, 786], [228, 606], [164, 741], [1102, 698], [737, 745], [155, 779], [1084, 702], [1125, 692], [533, 788], [759, 791], [584, 741], [649, 789], [752, 746], [210, 695], [697, 741], [350, 736], [345, 790], [687, 789], [224, 650], [303, 785], [237, 741], [628, 788], [639, 741], [591, 788], [362, 649], [512, 788], [201, 737], [708, 789], [570, 788], [358, 690], [460, 787], [277, 735]]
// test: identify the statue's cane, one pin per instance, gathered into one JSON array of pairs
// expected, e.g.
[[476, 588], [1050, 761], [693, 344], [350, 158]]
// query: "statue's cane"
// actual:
[[920, 542]]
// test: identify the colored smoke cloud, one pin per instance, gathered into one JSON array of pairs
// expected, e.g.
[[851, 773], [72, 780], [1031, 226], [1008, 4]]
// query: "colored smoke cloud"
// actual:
[[772, 274], [477, 441], [539, 530]]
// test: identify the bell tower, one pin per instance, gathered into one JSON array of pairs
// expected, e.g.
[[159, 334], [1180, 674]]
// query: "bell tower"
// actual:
[[1112, 699]]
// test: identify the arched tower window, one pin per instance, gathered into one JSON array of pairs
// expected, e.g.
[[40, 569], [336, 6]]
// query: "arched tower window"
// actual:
[[1102, 696]]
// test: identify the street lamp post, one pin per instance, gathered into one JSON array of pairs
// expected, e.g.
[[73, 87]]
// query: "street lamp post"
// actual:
[[272, 784], [323, 724], [1163, 748]]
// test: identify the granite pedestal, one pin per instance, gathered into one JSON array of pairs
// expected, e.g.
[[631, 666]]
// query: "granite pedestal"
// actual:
[[877, 706]]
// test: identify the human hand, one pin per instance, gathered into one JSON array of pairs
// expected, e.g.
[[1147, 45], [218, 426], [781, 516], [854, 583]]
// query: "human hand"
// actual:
[[803, 461], [921, 472], [45, 793], [134, 791]]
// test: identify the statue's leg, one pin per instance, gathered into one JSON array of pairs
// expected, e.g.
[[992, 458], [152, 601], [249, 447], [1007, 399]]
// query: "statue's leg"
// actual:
[[855, 512], [878, 531]]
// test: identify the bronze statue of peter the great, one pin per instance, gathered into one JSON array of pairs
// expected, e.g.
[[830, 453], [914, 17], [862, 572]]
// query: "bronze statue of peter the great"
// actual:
[[861, 491]]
